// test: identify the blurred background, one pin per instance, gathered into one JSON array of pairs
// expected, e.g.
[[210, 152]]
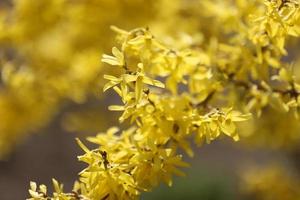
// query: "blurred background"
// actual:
[[51, 92]]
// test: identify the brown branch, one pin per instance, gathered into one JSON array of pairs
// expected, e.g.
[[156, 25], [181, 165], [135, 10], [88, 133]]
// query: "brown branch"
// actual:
[[291, 92]]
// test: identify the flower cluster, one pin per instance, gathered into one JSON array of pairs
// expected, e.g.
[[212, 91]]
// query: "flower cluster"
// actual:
[[164, 118]]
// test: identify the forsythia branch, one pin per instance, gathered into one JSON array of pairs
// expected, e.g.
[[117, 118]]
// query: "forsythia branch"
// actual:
[[175, 96]]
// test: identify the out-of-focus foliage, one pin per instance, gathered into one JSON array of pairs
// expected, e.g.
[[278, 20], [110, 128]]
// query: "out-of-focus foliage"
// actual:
[[275, 130], [274, 182], [50, 53]]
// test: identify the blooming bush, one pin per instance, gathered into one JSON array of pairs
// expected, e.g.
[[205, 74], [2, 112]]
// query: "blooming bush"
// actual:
[[201, 71]]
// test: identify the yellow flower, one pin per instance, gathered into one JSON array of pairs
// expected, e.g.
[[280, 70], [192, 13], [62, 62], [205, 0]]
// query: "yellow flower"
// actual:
[[117, 58]]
